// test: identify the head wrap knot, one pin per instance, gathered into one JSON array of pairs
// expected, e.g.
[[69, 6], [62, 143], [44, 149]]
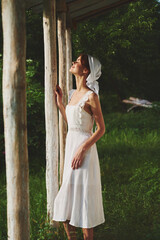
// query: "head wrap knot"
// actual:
[[95, 73]]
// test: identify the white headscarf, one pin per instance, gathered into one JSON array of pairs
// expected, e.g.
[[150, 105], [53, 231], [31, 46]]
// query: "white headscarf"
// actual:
[[95, 73]]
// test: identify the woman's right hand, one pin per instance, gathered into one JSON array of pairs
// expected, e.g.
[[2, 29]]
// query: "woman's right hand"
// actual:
[[58, 96]]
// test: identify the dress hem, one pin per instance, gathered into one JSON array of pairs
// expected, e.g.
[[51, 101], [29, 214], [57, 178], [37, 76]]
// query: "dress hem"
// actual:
[[80, 226]]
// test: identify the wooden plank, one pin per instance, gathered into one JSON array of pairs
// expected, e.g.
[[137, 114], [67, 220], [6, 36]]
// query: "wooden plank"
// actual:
[[15, 120], [95, 10], [88, 5], [33, 3], [51, 116], [62, 82], [82, 9], [68, 59]]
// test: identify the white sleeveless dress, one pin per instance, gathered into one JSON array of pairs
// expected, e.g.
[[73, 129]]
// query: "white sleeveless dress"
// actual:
[[79, 199]]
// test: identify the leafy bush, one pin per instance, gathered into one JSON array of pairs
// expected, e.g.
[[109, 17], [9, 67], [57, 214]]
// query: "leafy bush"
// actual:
[[128, 48], [35, 111]]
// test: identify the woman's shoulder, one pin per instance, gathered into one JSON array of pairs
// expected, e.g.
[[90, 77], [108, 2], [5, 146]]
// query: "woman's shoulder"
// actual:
[[93, 96]]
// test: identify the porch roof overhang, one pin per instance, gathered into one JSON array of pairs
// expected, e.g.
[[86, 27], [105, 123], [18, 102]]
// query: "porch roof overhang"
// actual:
[[79, 10]]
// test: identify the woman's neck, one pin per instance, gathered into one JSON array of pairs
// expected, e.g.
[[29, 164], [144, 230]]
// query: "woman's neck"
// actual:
[[81, 83]]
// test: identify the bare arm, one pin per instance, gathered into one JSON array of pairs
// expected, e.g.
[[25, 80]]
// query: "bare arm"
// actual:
[[58, 99], [97, 113]]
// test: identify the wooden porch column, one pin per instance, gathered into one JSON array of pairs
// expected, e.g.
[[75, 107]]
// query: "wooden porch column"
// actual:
[[61, 10], [69, 58], [15, 121], [51, 117]]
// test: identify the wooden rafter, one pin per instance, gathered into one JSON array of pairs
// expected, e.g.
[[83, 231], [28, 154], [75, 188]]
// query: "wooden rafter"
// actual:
[[82, 12], [79, 10]]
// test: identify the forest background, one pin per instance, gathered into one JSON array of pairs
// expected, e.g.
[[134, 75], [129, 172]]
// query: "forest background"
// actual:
[[126, 41]]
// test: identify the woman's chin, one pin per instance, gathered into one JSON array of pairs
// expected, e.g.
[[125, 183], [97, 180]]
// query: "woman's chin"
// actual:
[[71, 70]]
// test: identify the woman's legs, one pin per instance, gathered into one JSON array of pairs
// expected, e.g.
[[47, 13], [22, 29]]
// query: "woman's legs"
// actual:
[[70, 231], [87, 233]]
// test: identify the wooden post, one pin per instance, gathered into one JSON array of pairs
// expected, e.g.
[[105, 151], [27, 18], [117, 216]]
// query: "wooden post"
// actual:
[[15, 122], [61, 9], [68, 58], [51, 117]]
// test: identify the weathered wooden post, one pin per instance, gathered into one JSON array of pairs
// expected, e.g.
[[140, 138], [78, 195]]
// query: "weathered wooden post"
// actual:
[[68, 58], [51, 117], [15, 122], [61, 12]]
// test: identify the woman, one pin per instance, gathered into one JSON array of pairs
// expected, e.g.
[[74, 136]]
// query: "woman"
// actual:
[[79, 200]]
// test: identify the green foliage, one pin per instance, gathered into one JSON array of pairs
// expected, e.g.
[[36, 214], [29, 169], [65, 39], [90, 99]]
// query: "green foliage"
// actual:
[[3, 207], [35, 111], [40, 228], [35, 45], [129, 156], [126, 41], [35, 49], [132, 206]]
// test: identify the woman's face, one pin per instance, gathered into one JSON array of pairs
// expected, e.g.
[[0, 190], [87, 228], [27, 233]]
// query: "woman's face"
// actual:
[[77, 68]]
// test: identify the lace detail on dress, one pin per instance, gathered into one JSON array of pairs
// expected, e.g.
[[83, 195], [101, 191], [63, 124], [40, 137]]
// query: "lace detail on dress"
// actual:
[[70, 94], [82, 103]]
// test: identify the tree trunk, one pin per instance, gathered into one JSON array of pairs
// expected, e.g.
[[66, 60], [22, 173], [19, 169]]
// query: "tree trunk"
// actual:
[[62, 83], [15, 121], [51, 117], [69, 58]]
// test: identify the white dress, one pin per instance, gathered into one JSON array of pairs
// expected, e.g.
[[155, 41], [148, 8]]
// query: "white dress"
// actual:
[[80, 198]]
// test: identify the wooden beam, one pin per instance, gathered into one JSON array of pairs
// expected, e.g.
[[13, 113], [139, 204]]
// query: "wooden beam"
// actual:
[[33, 3], [80, 10], [68, 59], [15, 121], [51, 116], [62, 80], [83, 13], [61, 6]]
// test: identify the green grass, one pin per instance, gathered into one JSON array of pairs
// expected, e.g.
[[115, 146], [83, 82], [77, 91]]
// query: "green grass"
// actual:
[[129, 154], [3, 202]]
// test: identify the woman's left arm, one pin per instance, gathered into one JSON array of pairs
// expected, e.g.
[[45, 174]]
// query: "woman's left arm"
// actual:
[[98, 116]]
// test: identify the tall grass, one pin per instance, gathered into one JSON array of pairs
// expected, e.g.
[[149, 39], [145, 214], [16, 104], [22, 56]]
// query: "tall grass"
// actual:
[[129, 154], [3, 202]]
